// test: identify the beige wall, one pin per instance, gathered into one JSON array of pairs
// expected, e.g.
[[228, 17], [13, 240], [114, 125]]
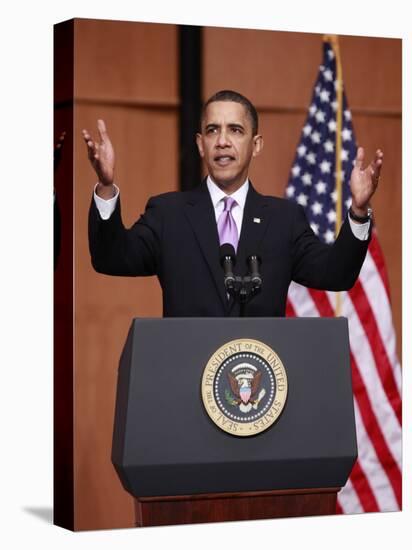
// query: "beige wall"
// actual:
[[126, 73]]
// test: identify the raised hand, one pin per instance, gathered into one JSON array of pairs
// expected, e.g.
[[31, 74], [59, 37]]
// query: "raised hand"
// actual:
[[364, 181], [101, 154]]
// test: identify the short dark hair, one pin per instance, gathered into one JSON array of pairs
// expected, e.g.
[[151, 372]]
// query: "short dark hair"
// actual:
[[230, 95]]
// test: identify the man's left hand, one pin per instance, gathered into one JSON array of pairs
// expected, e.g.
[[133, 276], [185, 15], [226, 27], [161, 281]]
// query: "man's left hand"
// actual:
[[364, 181]]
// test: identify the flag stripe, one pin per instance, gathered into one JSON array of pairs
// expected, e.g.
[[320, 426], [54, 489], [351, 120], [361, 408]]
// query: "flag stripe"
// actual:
[[339, 509], [319, 304], [379, 480], [372, 428], [379, 404], [324, 307], [363, 489], [348, 499], [302, 301], [377, 255], [361, 484], [379, 302], [290, 310], [359, 480], [383, 366]]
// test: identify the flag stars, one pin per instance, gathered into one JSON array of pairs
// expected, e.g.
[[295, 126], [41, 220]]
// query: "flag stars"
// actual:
[[315, 137], [320, 116], [328, 146], [302, 199], [344, 155], [325, 167], [307, 178], [348, 202], [311, 158], [331, 215], [324, 96], [329, 236], [317, 208], [307, 129], [332, 125], [316, 154], [320, 187], [328, 75], [315, 228], [301, 150]]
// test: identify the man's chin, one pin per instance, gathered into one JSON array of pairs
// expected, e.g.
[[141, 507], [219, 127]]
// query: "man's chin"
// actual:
[[222, 181], [227, 182]]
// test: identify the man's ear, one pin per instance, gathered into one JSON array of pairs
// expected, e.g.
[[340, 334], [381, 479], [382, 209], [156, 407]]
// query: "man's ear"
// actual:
[[199, 143], [257, 145]]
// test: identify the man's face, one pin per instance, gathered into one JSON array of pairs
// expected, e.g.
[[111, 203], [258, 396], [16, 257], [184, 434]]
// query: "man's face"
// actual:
[[226, 143]]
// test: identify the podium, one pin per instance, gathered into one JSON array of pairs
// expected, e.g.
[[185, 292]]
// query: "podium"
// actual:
[[182, 466]]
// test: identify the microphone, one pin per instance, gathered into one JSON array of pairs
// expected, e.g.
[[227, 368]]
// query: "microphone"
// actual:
[[253, 263], [228, 261]]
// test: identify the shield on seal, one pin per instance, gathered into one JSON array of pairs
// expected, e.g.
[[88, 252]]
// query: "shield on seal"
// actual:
[[245, 392]]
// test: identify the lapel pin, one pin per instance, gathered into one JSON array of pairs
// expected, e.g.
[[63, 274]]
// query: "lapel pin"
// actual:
[[256, 220]]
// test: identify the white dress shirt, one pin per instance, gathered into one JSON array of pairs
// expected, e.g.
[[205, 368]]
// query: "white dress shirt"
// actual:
[[217, 196], [106, 207]]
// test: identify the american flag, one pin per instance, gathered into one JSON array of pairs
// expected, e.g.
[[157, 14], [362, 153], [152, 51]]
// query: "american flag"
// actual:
[[375, 483]]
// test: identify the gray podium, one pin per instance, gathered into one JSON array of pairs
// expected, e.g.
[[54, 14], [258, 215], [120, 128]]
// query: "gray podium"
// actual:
[[180, 467]]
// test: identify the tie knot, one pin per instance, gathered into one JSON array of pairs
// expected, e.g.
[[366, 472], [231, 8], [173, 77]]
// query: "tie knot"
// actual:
[[229, 203]]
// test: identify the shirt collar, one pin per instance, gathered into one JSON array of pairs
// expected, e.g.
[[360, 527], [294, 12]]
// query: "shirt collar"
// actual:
[[216, 194]]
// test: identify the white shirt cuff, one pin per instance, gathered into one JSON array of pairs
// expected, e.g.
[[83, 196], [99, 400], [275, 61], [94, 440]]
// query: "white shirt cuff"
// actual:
[[360, 230], [105, 207]]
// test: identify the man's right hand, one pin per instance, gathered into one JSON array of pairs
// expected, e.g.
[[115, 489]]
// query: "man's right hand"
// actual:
[[101, 156]]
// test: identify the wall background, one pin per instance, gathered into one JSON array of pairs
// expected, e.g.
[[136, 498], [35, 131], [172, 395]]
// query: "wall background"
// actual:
[[126, 73]]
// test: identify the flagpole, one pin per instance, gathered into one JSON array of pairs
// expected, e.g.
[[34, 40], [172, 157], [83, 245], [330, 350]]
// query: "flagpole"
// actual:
[[334, 42]]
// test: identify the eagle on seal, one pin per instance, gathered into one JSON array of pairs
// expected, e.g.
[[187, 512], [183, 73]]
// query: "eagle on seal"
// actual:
[[245, 389]]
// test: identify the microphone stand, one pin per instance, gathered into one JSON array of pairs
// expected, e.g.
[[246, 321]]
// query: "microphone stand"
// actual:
[[242, 289]]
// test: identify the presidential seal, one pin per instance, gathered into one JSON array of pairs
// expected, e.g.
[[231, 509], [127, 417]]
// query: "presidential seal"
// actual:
[[244, 387]]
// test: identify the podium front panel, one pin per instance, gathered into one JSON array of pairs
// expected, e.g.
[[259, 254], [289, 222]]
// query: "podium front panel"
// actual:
[[164, 442]]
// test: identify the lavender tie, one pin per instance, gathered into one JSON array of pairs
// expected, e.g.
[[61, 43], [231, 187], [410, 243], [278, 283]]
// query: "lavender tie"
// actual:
[[226, 225]]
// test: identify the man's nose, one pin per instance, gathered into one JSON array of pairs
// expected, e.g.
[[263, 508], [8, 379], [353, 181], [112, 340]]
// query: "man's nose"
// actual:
[[223, 139]]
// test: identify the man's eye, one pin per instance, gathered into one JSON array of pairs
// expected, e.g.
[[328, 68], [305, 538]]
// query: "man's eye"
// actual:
[[210, 130], [237, 130]]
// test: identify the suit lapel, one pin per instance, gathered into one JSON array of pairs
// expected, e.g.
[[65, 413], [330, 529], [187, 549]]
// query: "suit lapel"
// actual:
[[200, 213]]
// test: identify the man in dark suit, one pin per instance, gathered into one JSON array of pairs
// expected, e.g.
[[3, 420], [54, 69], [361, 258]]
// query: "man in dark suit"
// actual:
[[179, 235]]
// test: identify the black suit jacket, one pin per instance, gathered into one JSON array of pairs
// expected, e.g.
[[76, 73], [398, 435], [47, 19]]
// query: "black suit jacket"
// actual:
[[176, 239]]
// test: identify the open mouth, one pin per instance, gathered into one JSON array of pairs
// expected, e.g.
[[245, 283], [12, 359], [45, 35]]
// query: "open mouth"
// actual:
[[223, 160]]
